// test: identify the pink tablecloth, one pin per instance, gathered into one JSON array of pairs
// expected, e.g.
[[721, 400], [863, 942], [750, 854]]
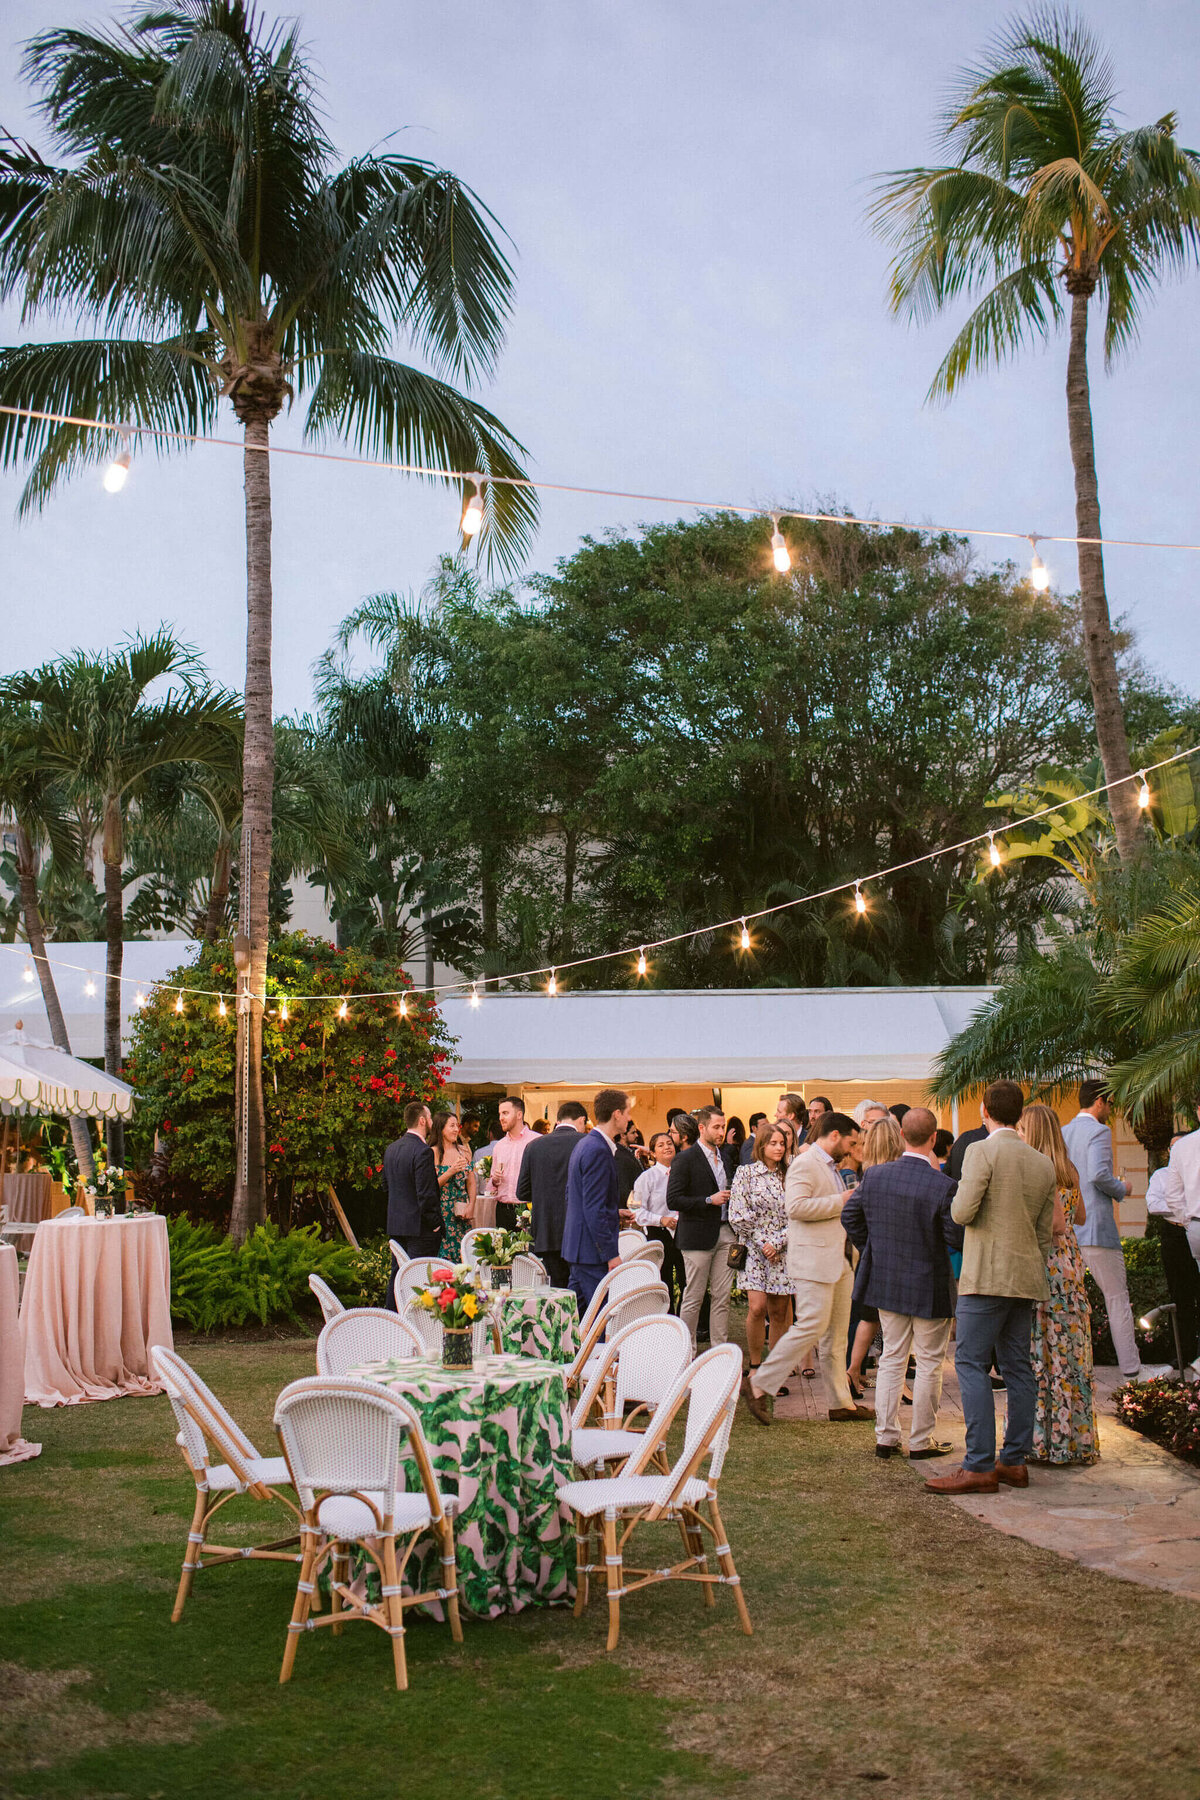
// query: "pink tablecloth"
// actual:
[[13, 1447], [97, 1296]]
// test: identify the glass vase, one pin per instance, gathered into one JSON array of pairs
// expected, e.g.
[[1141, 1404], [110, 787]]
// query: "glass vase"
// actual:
[[456, 1348], [501, 1278]]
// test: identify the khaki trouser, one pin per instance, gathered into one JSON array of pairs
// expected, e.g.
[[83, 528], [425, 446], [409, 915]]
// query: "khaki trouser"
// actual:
[[822, 1318], [709, 1269], [1107, 1270], [927, 1339]]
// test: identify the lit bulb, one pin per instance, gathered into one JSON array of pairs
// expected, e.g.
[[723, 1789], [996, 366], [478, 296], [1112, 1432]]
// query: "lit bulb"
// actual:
[[141, 1000], [472, 517], [474, 998], [283, 1011], [641, 962], [993, 850], [89, 988], [117, 473], [1039, 574], [780, 553], [222, 1009], [552, 984], [179, 1001], [403, 1007], [27, 974], [1144, 794], [343, 1009], [860, 899]]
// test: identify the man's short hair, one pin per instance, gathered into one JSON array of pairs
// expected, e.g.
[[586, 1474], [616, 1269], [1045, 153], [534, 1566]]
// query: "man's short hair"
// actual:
[[918, 1125], [865, 1106], [820, 1100], [795, 1107], [703, 1114], [673, 1112], [415, 1110], [830, 1122], [755, 1119], [570, 1109], [514, 1100], [942, 1143], [1004, 1102], [607, 1102], [687, 1127], [1090, 1092], [898, 1111]]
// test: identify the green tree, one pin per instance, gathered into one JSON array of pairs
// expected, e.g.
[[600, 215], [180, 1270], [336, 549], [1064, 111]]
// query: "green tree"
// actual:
[[1047, 195], [200, 219]]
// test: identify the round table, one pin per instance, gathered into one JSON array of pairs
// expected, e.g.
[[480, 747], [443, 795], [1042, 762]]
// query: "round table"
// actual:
[[13, 1447], [500, 1439], [538, 1321], [97, 1296]]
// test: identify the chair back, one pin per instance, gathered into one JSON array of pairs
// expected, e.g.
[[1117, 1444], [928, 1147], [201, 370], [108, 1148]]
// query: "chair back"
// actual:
[[529, 1271], [343, 1437], [651, 1252], [399, 1254], [642, 1303], [467, 1247], [365, 1334], [710, 1386], [72, 1212], [629, 1242], [415, 1275], [328, 1301], [650, 1354], [201, 1418], [621, 1280]]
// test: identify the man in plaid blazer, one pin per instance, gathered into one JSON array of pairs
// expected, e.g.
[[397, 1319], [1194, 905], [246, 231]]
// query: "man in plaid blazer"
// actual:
[[899, 1217]]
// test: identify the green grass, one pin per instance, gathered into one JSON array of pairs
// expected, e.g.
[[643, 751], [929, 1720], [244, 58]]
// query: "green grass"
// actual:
[[900, 1647]]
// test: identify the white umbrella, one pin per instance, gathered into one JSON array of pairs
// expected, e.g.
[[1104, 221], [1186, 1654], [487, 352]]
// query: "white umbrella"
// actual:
[[38, 1077]]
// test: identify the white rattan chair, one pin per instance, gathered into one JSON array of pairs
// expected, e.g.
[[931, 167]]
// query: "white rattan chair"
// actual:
[[429, 1328], [651, 1251], [343, 1441], [365, 1334], [204, 1422], [633, 1497], [621, 1280], [629, 1242], [415, 1275], [328, 1301], [467, 1248], [529, 1270], [648, 1357], [399, 1254], [648, 1301]]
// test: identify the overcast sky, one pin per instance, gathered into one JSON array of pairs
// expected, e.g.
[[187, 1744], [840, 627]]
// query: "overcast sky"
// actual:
[[699, 312]]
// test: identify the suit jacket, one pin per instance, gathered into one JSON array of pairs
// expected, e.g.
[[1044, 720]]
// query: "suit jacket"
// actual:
[[959, 1148], [542, 1186], [628, 1170], [899, 1217], [593, 1221], [414, 1198], [1090, 1148], [814, 1196], [689, 1187], [1006, 1201]]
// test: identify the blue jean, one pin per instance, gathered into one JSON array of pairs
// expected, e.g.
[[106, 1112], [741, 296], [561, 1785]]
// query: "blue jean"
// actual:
[[995, 1326], [585, 1279]]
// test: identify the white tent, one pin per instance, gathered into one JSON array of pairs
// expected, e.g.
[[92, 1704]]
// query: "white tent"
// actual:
[[748, 1035], [35, 1077]]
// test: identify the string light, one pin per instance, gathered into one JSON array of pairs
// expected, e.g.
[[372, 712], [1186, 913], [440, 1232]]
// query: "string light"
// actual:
[[552, 984], [474, 996], [403, 1007], [744, 940], [1143, 796], [140, 1000], [993, 850], [283, 1011], [472, 517], [222, 1009], [89, 988], [641, 962], [27, 972], [179, 1001], [780, 553], [860, 902], [1039, 574], [343, 1010], [117, 472]]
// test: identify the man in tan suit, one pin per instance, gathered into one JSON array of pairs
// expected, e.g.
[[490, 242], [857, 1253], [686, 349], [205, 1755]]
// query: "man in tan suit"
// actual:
[[1006, 1202], [821, 1275]]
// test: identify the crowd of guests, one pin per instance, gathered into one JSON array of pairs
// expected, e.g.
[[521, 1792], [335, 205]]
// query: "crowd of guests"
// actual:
[[842, 1229]]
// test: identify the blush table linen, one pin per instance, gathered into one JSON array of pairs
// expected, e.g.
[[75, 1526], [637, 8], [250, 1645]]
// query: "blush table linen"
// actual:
[[13, 1448], [97, 1296]]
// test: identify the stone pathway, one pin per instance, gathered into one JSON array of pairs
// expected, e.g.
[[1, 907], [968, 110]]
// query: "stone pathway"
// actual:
[[1135, 1513]]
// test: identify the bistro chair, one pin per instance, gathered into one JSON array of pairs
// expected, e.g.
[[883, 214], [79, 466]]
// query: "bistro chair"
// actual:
[[399, 1254], [649, 1301], [365, 1334], [619, 1504], [466, 1249], [647, 1357], [621, 1280], [204, 1422], [415, 1275], [629, 1242], [485, 1334], [343, 1441], [529, 1270], [651, 1251], [327, 1300]]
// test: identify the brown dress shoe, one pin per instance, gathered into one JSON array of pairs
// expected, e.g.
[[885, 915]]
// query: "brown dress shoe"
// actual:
[[756, 1405], [965, 1481], [838, 1413], [1013, 1474]]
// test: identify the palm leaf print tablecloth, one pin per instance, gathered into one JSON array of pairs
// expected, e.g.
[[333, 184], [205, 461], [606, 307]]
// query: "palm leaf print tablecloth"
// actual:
[[538, 1321]]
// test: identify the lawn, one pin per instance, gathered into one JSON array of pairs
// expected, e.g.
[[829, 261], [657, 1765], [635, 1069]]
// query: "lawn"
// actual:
[[900, 1647]]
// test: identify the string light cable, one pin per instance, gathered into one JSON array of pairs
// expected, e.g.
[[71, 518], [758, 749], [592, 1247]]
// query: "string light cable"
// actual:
[[468, 987]]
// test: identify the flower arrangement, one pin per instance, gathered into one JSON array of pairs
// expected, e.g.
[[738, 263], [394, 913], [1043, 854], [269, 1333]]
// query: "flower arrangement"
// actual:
[[497, 1248], [453, 1296], [483, 1169], [108, 1190]]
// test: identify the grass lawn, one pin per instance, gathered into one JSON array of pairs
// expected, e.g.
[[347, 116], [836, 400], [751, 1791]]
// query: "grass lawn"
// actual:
[[900, 1647]]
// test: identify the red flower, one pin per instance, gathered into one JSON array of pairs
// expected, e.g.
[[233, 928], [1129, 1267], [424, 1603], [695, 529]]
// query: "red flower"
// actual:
[[447, 1297], [390, 1055], [276, 1149], [167, 1126], [442, 1274]]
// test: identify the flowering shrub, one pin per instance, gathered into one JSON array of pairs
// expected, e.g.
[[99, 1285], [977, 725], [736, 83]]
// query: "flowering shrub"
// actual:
[[1163, 1409], [452, 1295], [335, 1089]]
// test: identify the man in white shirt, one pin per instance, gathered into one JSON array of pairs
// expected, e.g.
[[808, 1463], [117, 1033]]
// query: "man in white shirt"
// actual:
[[1089, 1146], [648, 1208], [1178, 1195]]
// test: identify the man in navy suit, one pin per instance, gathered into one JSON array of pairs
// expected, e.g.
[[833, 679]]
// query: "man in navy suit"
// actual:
[[899, 1217], [414, 1214], [593, 1223]]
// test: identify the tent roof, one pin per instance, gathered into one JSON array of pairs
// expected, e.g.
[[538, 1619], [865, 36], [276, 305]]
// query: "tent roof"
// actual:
[[37, 1077], [74, 966], [750, 1035]]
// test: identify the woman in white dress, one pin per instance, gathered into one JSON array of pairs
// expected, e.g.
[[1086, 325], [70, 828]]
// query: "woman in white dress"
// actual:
[[758, 1215]]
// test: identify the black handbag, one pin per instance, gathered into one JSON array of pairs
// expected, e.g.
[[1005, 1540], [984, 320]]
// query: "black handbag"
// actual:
[[738, 1254]]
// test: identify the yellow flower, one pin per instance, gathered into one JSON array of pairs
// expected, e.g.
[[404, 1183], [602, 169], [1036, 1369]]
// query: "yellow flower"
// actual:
[[425, 1298], [470, 1306]]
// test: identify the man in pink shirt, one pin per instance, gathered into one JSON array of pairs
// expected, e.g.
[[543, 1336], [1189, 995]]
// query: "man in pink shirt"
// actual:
[[501, 1197]]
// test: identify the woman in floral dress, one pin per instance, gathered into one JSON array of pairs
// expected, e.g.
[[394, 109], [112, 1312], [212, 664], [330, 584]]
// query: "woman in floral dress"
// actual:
[[759, 1217], [456, 1179], [1064, 1428]]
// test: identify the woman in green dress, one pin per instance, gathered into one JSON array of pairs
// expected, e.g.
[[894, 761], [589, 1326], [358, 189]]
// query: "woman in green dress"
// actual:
[[456, 1179], [1064, 1428]]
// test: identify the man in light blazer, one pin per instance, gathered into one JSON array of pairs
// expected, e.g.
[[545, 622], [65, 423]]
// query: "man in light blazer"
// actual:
[[1006, 1202], [820, 1271]]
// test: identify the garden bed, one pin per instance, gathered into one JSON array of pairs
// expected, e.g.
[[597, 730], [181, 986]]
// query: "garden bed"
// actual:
[[1166, 1410]]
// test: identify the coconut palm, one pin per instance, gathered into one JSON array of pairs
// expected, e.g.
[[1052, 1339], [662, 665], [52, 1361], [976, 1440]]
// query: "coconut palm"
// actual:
[[1046, 196], [200, 223], [1155, 997]]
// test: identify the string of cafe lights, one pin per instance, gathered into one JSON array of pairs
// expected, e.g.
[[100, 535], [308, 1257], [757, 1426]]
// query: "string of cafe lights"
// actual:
[[468, 989]]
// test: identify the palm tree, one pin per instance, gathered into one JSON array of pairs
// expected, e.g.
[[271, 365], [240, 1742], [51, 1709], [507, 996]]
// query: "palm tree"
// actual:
[[33, 797], [200, 219], [98, 731], [1045, 195]]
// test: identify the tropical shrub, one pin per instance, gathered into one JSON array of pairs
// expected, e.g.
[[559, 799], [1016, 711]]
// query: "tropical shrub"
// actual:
[[1147, 1289], [1163, 1409], [216, 1283], [335, 1088]]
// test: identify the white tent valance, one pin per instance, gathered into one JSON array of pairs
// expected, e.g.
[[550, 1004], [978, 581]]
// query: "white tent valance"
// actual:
[[38, 1077]]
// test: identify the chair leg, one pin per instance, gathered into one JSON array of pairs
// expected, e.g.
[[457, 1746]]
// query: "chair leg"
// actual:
[[393, 1611], [450, 1577], [310, 1539], [615, 1569], [725, 1557], [339, 1570], [191, 1556], [583, 1544], [694, 1537]]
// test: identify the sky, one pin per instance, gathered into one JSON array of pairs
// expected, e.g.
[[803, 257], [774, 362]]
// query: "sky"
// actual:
[[700, 312]]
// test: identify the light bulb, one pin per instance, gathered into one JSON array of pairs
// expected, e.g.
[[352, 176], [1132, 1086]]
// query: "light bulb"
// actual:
[[27, 973], [179, 1001], [860, 899], [1143, 797], [474, 995], [117, 473], [780, 554], [89, 988], [472, 517], [1039, 574], [552, 984], [641, 962], [745, 937], [283, 1011], [343, 1009], [141, 1000], [222, 1009], [993, 850], [403, 1007]]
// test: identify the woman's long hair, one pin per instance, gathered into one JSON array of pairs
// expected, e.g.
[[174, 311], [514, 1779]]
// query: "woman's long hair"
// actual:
[[1042, 1131], [762, 1138], [440, 1122], [882, 1144]]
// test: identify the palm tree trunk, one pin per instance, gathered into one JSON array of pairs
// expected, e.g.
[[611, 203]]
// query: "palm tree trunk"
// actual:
[[218, 893], [258, 782], [32, 914], [1097, 627], [114, 933]]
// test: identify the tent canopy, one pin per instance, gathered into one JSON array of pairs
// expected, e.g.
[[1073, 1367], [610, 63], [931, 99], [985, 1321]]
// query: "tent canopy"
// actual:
[[35, 1077], [751, 1035]]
